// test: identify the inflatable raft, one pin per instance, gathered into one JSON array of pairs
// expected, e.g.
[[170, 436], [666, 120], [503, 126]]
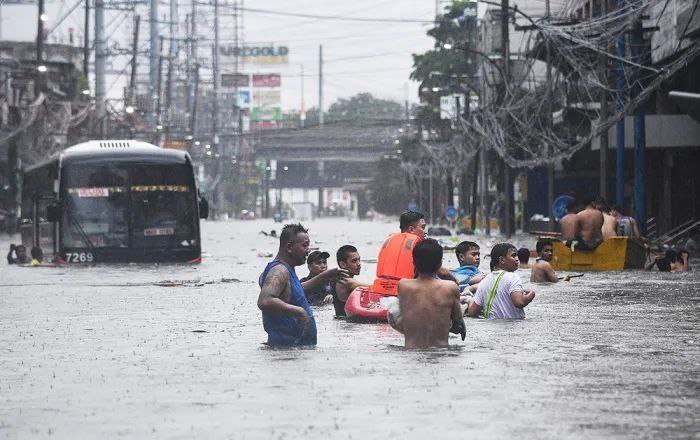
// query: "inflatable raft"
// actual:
[[616, 253], [395, 261], [363, 305]]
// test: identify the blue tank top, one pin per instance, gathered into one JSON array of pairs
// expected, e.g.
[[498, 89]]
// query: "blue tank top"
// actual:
[[287, 330]]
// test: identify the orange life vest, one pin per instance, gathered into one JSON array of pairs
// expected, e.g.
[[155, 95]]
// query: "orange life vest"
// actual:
[[395, 262]]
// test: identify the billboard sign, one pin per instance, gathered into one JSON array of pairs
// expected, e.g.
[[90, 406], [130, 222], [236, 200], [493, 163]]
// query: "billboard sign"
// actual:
[[264, 125], [267, 54], [266, 114], [266, 98], [267, 80], [233, 80]]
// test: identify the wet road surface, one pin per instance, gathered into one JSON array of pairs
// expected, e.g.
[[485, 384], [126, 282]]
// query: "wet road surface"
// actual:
[[174, 351]]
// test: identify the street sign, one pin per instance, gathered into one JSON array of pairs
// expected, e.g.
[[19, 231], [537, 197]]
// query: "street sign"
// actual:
[[243, 100], [451, 213], [449, 106], [559, 206]]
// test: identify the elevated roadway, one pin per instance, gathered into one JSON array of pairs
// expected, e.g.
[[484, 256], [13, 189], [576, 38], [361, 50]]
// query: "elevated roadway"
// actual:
[[346, 141]]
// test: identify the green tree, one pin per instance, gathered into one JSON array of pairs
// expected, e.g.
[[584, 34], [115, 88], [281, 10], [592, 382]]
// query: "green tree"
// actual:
[[451, 65], [364, 106], [391, 193]]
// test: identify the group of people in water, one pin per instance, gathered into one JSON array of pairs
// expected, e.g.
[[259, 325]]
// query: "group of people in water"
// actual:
[[587, 228], [18, 255], [432, 300]]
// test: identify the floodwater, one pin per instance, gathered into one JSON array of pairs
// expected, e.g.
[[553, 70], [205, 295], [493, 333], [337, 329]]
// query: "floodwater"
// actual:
[[175, 351]]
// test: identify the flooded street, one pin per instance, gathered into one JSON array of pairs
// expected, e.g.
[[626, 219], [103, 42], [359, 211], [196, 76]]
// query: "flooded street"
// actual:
[[175, 351]]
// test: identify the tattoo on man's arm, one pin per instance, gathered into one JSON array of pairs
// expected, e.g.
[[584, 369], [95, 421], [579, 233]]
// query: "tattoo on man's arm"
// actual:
[[274, 284]]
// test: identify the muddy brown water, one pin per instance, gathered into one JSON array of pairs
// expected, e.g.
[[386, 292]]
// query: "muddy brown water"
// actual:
[[175, 351]]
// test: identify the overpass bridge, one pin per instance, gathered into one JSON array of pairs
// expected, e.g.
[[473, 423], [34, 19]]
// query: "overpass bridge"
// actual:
[[344, 141], [336, 155]]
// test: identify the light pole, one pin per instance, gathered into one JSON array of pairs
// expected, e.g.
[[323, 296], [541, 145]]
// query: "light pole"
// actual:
[[302, 108]]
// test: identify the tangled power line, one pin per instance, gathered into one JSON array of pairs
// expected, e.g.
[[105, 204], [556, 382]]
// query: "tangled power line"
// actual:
[[520, 126]]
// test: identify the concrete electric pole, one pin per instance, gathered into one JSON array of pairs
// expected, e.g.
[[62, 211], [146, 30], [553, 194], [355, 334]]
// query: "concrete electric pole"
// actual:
[[100, 55]]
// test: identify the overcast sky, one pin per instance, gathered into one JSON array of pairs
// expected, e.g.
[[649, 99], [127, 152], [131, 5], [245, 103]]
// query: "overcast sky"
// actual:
[[359, 56]]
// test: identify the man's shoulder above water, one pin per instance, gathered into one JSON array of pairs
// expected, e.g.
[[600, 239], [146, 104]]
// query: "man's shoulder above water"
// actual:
[[427, 288]]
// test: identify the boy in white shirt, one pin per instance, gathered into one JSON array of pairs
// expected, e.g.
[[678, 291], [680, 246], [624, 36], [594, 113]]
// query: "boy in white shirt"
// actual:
[[501, 294]]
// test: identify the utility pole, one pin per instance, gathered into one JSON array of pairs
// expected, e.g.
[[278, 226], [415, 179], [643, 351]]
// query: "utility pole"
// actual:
[[134, 59], [159, 94], [40, 34], [637, 49], [302, 109], [193, 111], [620, 127], [550, 124], [188, 66], [40, 69], [239, 113], [100, 55], [507, 177], [485, 197], [221, 196], [603, 153], [475, 189], [153, 59], [193, 83], [171, 60], [86, 41], [430, 194], [320, 85]]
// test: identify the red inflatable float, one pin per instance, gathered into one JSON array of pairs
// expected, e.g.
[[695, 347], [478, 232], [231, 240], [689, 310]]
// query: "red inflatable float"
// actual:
[[395, 262], [364, 305]]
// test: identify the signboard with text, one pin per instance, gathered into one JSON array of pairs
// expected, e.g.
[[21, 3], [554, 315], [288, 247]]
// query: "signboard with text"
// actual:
[[264, 125], [267, 80], [450, 105], [266, 98], [263, 54], [233, 80], [266, 114]]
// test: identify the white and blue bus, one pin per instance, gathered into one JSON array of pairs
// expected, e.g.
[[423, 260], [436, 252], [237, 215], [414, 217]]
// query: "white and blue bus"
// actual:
[[114, 201]]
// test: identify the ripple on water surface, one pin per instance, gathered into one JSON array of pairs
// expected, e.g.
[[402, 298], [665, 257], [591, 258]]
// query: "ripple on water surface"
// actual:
[[175, 350]]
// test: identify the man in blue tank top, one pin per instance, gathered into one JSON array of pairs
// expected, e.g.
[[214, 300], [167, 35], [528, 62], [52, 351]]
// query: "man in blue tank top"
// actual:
[[287, 316]]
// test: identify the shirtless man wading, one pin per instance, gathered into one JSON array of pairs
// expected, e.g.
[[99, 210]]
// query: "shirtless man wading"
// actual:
[[609, 228], [568, 223], [589, 224], [542, 271], [349, 260], [430, 307]]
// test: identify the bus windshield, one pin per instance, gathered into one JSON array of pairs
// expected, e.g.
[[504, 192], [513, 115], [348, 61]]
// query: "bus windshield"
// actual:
[[129, 205]]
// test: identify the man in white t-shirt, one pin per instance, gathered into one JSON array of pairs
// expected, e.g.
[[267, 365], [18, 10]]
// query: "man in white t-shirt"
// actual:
[[501, 294]]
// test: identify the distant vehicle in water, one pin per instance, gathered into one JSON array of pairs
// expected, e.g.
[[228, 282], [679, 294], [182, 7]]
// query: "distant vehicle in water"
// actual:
[[114, 201]]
